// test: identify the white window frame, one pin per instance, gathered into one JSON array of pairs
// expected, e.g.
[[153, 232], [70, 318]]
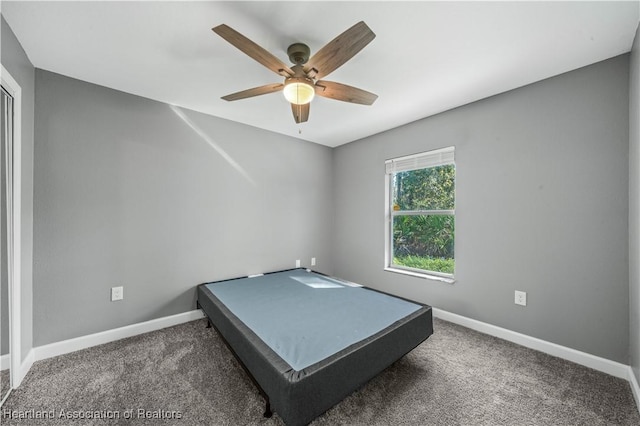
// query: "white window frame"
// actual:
[[434, 158]]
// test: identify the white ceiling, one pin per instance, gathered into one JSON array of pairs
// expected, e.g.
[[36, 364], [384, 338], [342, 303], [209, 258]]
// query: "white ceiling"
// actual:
[[428, 57]]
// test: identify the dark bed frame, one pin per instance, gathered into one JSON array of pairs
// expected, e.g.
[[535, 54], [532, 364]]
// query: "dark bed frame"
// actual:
[[300, 396]]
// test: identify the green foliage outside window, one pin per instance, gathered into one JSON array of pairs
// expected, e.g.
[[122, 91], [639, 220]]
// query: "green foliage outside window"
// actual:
[[425, 189], [424, 241], [445, 266]]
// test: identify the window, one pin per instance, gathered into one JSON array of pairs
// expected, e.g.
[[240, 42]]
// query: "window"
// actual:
[[420, 225]]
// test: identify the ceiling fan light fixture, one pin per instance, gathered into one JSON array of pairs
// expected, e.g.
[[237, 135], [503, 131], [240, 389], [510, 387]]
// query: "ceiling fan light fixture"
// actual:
[[299, 91]]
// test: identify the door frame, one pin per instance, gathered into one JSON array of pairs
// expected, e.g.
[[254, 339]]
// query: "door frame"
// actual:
[[14, 204]]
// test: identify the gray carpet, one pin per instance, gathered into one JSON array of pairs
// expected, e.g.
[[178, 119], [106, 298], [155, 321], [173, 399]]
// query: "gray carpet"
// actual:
[[456, 377], [4, 383]]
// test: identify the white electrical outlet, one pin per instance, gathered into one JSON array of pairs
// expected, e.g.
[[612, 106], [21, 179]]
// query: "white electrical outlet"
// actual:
[[521, 298], [313, 261], [117, 293], [297, 263]]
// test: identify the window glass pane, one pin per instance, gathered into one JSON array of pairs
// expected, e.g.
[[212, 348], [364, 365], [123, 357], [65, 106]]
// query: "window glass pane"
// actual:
[[424, 242], [425, 189]]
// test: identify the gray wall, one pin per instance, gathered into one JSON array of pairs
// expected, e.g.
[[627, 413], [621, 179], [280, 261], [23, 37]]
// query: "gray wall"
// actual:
[[634, 208], [17, 63], [541, 206], [129, 193]]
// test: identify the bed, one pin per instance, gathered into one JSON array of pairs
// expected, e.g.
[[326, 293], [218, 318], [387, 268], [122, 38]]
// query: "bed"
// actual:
[[308, 340]]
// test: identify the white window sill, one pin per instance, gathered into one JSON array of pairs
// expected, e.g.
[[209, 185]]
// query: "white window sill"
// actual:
[[421, 275]]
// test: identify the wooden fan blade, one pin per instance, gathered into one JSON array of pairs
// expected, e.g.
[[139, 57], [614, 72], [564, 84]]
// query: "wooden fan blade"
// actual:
[[340, 50], [300, 112], [256, 91], [342, 92], [253, 50]]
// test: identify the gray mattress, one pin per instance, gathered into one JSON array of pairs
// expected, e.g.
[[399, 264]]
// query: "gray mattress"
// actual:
[[309, 340]]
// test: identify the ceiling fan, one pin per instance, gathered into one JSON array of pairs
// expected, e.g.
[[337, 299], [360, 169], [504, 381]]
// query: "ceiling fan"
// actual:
[[303, 80]]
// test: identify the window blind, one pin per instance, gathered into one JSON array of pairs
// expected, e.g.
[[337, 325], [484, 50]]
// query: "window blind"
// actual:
[[438, 157]]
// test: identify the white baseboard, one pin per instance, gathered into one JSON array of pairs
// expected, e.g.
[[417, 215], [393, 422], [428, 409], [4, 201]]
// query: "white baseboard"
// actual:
[[83, 342], [635, 387], [5, 362], [597, 363]]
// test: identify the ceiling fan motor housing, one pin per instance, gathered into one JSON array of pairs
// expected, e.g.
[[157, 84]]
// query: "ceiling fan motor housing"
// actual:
[[299, 53]]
